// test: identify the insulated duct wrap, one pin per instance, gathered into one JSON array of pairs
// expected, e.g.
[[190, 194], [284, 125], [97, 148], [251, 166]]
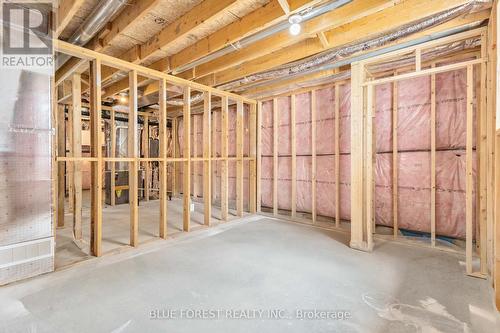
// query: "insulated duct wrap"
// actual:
[[345, 51]]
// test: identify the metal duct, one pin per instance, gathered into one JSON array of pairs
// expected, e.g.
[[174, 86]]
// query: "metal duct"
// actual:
[[389, 65], [97, 19], [302, 66], [306, 16]]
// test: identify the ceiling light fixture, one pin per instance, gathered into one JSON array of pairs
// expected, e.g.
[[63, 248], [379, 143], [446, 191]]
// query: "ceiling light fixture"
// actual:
[[295, 27], [123, 98]]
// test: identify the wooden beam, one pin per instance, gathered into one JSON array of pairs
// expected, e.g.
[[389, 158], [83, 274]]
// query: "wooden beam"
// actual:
[[224, 165], [206, 11], [323, 40], [96, 167], [76, 149], [275, 155], [293, 121], [316, 26], [129, 16], [122, 23], [65, 13], [313, 157], [207, 153], [162, 120], [186, 185], [133, 152], [151, 73], [248, 24], [285, 6], [372, 25], [239, 156]]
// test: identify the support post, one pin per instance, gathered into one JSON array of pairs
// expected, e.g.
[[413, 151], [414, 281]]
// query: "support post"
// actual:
[[187, 159], [113, 154], [162, 123], [207, 155], [468, 172], [313, 158], [239, 158], [337, 155], [224, 164], [96, 169], [259, 156], [433, 159], [482, 144], [194, 167], [133, 152], [359, 206], [252, 181], [395, 163], [77, 153], [175, 154], [145, 147], [293, 113], [61, 152], [275, 156], [370, 163]]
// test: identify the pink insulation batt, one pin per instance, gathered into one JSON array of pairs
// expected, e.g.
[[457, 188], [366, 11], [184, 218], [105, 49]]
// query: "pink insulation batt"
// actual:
[[215, 137], [414, 144]]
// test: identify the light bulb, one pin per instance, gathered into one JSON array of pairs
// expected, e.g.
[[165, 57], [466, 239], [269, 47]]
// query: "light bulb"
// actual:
[[295, 29]]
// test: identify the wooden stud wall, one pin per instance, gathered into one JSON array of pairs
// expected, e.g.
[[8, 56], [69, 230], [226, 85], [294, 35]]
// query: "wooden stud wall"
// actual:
[[367, 84], [134, 159], [76, 149], [363, 147]]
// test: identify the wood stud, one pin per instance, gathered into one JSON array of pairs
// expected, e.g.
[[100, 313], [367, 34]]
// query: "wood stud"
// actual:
[[133, 156], [96, 167], [133, 152], [76, 149], [186, 184], [207, 153], [162, 119]]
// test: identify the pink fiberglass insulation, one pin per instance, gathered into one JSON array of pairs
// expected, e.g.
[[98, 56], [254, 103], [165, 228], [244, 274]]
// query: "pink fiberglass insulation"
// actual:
[[414, 129], [325, 122], [414, 172]]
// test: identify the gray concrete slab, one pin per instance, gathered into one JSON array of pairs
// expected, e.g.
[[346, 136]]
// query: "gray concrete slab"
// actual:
[[116, 227], [255, 264]]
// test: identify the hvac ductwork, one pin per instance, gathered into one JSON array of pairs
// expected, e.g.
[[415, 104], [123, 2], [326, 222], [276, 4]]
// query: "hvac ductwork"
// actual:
[[97, 19], [244, 42], [302, 66]]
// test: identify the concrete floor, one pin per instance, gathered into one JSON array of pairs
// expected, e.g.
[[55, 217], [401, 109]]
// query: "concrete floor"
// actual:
[[256, 263], [116, 227]]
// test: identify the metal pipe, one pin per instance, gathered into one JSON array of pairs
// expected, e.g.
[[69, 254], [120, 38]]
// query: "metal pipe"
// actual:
[[97, 19], [244, 42], [337, 54], [346, 75]]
